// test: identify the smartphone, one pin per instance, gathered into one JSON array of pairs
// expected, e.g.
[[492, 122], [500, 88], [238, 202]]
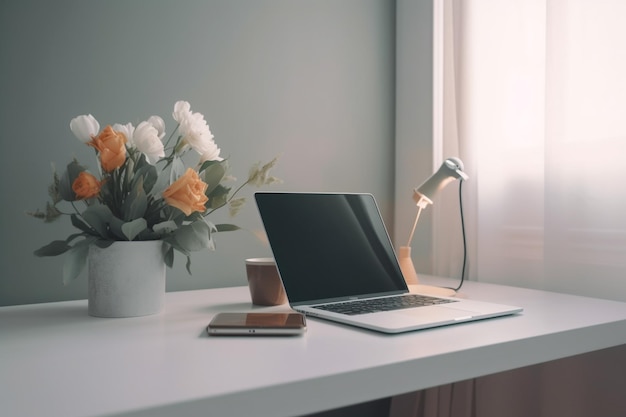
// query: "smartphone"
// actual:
[[257, 324]]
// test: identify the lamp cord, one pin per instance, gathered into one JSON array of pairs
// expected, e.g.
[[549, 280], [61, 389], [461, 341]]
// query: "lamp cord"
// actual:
[[464, 238]]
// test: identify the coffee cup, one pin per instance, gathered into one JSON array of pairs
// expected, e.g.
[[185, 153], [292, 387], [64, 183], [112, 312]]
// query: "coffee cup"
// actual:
[[266, 288]]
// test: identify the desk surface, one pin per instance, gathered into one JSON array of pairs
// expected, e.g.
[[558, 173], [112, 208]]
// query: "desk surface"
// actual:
[[55, 360]]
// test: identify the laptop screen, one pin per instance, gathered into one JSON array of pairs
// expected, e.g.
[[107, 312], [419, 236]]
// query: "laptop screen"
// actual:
[[329, 246]]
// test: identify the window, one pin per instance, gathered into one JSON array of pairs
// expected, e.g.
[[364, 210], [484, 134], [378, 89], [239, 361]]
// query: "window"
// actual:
[[533, 93]]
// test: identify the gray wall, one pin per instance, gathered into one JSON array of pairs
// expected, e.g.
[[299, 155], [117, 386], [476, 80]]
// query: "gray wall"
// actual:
[[414, 125], [311, 80]]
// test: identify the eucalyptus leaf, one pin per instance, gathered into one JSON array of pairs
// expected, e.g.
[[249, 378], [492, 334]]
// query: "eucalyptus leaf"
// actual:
[[165, 227], [103, 244], [213, 175], [139, 174], [139, 205], [54, 248], [188, 265], [174, 215], [75, 260], [206, 164], [227, 227], [81, 225], [171, 240], [136, 202], [218, 197], [73, 236], [141, 163], [133, 228], [196, 216], [98, 217], [194, 236], [150, 177], [115, 228], [169, 257], [164, 248], [147, 234]]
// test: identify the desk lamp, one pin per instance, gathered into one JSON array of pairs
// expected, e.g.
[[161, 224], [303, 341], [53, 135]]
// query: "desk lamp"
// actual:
[[451, 169]]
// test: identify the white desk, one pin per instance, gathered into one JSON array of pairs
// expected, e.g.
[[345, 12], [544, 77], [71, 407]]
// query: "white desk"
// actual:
[[55, 360]]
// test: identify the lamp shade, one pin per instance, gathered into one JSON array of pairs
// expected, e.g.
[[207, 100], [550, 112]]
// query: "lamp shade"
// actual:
[[451, 169]]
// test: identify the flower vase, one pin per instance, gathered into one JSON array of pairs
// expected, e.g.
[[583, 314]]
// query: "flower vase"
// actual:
[[126, 279]]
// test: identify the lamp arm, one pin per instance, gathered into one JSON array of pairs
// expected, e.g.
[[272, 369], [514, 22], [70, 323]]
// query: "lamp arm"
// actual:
[[417, 216]]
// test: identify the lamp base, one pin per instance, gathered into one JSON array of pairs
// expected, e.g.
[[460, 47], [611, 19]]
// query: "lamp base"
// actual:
[[410, 276], [406, 265], [432, 290]]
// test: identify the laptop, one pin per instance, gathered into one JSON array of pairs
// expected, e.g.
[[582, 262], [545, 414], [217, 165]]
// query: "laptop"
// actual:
[[335, 260]]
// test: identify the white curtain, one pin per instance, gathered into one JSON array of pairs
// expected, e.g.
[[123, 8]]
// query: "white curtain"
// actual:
[[531, 94], [534, 99]]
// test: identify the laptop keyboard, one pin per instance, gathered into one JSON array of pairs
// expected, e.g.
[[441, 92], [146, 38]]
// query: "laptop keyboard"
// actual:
[[373, 305]]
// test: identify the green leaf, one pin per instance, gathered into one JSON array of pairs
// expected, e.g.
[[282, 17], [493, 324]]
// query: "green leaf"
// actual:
[[227, 227], [147, 234], [133, 228], [75, 260], [207, 164], [73, 236], [67, 179], [54, 248], [136, 202], [218, 197], [103, 244], [165, 227], [194, 236], [171, 240], [212, 175], [169, 257], [115, 227], [80, 224], [138, 206], [189, 265], [140, 163], [98, 217], [148, 174]]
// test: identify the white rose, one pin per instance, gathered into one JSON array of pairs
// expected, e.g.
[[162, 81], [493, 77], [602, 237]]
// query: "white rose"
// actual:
[[195, 131], [181, 109], [146, 139], [128, 130], [158, 124], [84, 127], [212, 153]]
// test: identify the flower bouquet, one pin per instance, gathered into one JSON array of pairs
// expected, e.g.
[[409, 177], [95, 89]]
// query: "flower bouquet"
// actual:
[[144, 188]]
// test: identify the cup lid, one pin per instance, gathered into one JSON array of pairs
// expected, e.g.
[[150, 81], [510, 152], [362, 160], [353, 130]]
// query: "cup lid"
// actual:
[[260, 261]]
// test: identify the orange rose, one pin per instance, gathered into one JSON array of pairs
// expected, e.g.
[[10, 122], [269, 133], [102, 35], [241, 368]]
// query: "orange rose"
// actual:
[[187, 193], [86, 186], [111, 146]]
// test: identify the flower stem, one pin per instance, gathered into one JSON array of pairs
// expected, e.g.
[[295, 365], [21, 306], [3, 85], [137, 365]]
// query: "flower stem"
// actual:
[[171, 135], [75, 209]]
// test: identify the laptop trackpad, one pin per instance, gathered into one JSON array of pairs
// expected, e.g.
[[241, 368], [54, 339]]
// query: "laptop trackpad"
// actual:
[[437, 313]]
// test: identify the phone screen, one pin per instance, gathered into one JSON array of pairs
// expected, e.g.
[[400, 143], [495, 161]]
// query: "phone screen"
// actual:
[[257, 324]]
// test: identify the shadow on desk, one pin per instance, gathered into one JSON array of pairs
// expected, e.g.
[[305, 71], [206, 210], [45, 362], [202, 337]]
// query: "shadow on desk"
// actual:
[[376, 408]]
